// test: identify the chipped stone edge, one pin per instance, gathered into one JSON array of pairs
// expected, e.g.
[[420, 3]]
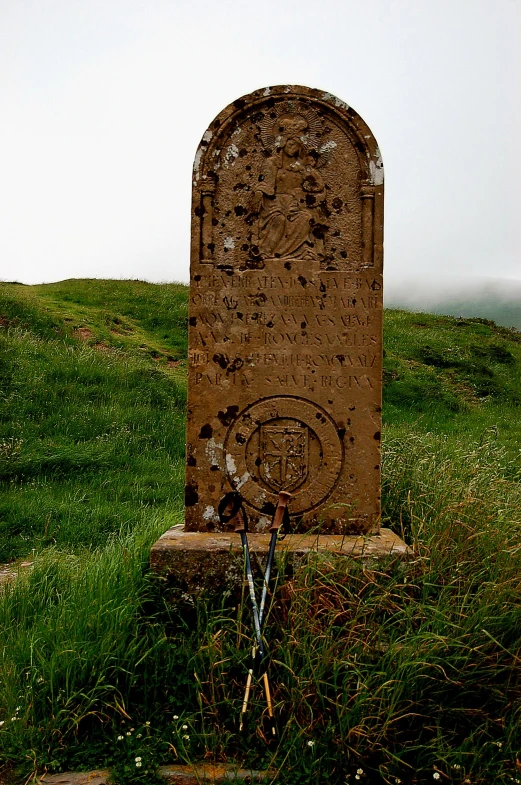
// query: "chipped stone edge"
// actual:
[[385, 543]]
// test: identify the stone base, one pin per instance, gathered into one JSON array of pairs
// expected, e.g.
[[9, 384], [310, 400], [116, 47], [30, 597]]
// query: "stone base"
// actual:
[[195, 563], [212, 774]]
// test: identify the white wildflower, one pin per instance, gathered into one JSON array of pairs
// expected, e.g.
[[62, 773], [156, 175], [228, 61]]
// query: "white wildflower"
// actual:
[[128, 733], [436, 776], [138, 764], [139, 736], [185, 727], [176, 717], [120, 738], [311, 743], [138, 759], [359, 771], [1, 723], [186, 737], [147, 723]]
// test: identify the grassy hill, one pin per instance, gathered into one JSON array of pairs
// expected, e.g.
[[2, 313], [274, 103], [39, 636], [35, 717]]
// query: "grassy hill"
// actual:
[[487, 298], [400, 670], [92, 377]]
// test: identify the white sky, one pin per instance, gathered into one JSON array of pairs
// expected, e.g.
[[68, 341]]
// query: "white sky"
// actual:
[[103, 103]]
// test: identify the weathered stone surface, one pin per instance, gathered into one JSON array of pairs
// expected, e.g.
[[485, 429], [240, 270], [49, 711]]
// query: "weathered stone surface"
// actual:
[[286, 314], [197, 563], [184, 775], [98, 777], [206, 772]]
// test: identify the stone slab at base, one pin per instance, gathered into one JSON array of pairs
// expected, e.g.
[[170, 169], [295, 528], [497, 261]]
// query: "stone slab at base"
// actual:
[[210, 774], [198, 562]]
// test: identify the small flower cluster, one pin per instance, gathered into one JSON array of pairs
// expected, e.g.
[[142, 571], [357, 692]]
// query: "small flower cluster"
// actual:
[[186, 736], [129, 734]]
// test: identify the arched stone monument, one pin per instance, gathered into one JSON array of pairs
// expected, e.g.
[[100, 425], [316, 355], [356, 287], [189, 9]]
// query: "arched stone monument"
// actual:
[[285, 335]]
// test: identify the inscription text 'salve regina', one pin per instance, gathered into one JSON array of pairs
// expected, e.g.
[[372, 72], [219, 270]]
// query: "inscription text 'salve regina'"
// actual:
[[285, 323]]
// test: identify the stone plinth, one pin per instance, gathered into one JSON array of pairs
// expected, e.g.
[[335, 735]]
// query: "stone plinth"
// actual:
[[196, 563], [212, 774]]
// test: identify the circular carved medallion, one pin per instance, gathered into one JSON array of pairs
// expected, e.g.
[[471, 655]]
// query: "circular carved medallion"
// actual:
[[283, 443]]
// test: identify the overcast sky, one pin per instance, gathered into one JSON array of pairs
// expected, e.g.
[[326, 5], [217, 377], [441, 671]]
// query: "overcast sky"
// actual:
[[103, 104]]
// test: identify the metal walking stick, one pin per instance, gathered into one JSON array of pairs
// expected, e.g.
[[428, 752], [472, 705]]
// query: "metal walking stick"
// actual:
[[281, 513], [278, 519], [233, 500]]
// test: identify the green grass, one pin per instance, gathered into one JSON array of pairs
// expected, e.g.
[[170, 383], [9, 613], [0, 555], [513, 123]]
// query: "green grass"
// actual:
[[398, 669], [91, 432]]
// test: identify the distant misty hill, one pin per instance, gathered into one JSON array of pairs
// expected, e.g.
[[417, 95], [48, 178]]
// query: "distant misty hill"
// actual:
[[498, 299]]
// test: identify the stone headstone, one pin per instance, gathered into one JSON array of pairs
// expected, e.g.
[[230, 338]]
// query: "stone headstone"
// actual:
[[285, 336]]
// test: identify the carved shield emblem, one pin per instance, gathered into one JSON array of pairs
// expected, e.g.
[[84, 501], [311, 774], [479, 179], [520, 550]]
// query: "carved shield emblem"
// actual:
[[283, 455]]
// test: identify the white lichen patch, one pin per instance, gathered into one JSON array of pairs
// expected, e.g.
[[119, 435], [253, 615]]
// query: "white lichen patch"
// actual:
[[207, 135], [336, 101], [197, 163], [267, 91], [209, 514], [328, 146], [214, 452], [240, 481], [376, 169], [263, 523], [230, 464], [238, 131], [229, 243], [230, 155]]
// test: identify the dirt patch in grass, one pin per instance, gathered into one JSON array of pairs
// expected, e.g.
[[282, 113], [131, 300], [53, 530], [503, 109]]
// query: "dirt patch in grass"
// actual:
[[83, 333], [8, 573], [101, 346]]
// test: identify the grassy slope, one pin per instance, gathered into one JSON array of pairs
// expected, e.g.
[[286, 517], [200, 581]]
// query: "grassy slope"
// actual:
[[394, 671], [91, 409]]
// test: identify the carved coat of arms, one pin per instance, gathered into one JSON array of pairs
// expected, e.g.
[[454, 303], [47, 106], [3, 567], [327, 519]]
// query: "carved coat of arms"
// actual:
[[284, 456]]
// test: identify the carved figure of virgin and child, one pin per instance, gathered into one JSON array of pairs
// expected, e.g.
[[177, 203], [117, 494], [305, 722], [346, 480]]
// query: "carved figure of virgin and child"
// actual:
[[287, 195]]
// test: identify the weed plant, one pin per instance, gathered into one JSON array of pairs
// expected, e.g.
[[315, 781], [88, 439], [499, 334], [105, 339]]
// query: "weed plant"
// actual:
[[388, 672]]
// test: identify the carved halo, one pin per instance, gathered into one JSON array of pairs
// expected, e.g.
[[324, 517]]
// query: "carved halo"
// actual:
[[291, 120], [296, 120]]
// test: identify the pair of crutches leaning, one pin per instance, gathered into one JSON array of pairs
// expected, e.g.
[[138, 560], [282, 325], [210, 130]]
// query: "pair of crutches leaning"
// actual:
[[231, 509]]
